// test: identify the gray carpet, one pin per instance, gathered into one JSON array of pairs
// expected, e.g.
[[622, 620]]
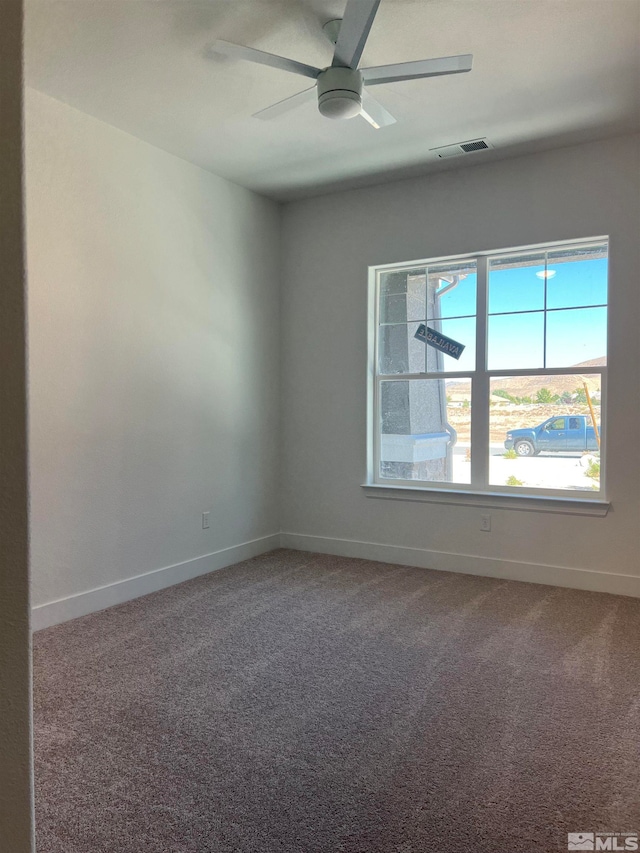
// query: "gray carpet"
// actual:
[[299, 702]]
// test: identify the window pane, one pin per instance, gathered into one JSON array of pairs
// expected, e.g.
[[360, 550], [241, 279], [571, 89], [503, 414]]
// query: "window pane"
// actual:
[[451, 290], [542, 433], [425, 429], [399, 351], [516, 341], [403, 296], [516, 284], [577, 336], [460, 330], [577, 277]]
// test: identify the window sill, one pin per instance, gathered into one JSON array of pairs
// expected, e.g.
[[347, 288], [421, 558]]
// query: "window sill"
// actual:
[[494, 500]]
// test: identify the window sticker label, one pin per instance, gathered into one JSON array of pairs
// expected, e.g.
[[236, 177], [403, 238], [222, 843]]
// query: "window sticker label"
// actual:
[[439, 341]]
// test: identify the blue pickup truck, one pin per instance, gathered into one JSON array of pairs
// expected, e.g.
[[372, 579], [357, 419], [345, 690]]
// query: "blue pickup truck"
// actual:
[[555, 435]]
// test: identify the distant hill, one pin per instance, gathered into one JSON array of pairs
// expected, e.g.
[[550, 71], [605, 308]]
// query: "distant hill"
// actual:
[[593, 362], [528, 386]]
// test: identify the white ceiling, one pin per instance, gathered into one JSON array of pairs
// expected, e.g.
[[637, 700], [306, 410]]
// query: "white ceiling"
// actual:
[[546, 73]]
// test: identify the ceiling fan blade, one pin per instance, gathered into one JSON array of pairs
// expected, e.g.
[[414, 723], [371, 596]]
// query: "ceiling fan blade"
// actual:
[[416, 70], [354, 30], [282, 107], [374, 112], [237, 51]]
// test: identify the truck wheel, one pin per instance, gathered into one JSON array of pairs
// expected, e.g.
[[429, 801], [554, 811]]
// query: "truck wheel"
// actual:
[[525, 448]]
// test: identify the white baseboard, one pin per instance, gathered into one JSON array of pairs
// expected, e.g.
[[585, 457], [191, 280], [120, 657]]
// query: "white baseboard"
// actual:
[[468, 564], [82, 603]]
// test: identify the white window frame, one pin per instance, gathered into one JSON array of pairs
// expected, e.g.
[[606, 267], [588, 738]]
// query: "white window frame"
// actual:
[[479, 490]]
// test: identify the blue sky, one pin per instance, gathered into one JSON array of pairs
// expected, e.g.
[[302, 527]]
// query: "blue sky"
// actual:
[[516, 340]]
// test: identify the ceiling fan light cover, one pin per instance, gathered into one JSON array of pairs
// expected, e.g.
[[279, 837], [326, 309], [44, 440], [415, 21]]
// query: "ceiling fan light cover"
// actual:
[[340, 92], [340, 104]]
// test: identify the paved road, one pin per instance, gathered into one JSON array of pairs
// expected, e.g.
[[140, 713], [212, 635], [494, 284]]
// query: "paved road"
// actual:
[[553, 471], [460, 449]]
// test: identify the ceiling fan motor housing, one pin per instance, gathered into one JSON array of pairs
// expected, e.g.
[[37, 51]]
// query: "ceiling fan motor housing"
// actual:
[[340, 92]]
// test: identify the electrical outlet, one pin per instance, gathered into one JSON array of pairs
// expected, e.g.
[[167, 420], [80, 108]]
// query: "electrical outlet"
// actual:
[[485, 523], [205, 520]]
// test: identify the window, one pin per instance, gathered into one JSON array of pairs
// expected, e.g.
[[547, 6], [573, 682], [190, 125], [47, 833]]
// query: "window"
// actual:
[[489, 372]]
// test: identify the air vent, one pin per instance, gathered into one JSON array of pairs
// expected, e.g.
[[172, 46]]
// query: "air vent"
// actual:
[[460, 148], [473, 146]]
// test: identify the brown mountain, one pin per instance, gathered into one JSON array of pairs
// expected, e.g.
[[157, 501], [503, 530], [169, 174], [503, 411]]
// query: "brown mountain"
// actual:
[[593, 362], [528, 386]]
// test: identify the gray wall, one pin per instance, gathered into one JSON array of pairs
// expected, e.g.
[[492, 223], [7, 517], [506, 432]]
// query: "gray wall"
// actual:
[[159, 333], [328, 243], [16, 832], [154, 357]]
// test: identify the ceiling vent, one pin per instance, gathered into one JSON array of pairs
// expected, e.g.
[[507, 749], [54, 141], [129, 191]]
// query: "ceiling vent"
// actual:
[[460, 148]]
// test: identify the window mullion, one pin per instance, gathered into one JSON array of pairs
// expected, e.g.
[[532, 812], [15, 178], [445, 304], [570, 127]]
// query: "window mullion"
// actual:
[[480, 387]]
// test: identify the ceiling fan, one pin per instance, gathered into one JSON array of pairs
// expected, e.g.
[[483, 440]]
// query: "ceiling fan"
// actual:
[[341, 87]]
